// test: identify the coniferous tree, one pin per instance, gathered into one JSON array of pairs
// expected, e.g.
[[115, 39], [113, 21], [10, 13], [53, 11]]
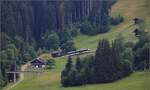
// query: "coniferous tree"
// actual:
[[66, 74], [101, 18], [78, 65], [103, 22], [69, 64], [80, 72], [146, 55], [102, 61], [141, 52]]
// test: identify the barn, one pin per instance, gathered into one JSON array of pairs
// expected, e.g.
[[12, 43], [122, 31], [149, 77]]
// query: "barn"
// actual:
[[38, 63]]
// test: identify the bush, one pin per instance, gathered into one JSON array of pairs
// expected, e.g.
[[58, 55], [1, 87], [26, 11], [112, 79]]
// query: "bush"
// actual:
[[127, 68], [51, 40], [50, 63], [116, 20], [74, 30], [68, 46], [2, 81]]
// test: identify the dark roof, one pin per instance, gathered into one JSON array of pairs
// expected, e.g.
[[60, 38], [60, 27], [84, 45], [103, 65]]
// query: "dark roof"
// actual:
[[135, 18], [135, 30], [38, 60]]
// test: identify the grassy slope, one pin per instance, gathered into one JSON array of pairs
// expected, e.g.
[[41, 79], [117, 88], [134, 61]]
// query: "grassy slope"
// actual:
[[50, 80], [137, 81], [129, 9]]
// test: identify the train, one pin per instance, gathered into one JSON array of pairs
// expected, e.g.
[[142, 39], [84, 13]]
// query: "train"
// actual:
[[71, 53]]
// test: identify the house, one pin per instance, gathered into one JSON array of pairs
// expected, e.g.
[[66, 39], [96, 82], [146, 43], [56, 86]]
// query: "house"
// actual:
[[38, 63]]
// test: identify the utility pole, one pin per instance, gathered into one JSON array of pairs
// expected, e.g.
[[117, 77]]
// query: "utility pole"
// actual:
[[148, 60], [15, 68]]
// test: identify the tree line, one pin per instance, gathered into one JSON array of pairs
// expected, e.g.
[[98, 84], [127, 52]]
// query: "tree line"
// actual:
[[112, 61]]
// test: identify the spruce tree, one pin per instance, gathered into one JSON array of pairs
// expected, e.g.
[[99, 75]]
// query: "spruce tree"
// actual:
[[101, 62], [66, 74], [69, 64], [102, 21], [78, 65], [80, 73]]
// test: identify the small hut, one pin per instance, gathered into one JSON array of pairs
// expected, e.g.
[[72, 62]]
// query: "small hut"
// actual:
[[138, 32], [38, 63], [137, 20]]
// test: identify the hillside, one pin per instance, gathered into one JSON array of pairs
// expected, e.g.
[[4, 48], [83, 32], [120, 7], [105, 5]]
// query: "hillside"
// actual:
[[129, 9], [50, 80]]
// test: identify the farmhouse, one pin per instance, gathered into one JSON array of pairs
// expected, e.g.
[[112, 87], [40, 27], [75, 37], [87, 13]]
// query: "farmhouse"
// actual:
[[38, 63]]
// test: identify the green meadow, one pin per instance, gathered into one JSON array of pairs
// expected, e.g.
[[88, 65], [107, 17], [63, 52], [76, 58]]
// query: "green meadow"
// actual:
[[50, 80]]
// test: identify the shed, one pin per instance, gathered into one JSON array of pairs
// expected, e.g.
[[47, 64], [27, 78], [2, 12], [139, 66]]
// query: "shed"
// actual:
[[137, 20], [137, 32]]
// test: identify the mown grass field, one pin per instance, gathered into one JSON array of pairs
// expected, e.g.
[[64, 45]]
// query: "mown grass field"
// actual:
[[50, 80]]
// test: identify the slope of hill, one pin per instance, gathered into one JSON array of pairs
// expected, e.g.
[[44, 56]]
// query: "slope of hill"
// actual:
[[50, 80], [129, 9]]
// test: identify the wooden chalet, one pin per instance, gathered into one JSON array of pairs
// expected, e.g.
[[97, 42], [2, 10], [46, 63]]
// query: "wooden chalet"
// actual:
[[38, 63]]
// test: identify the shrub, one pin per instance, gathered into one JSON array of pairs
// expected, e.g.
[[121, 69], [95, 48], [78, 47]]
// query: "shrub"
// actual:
[[74, 30], [116, 20], [127, 68], [50, 63], [88, 28]]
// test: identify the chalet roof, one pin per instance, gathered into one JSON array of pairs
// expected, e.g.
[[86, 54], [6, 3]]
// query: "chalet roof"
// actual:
[[39, 60]]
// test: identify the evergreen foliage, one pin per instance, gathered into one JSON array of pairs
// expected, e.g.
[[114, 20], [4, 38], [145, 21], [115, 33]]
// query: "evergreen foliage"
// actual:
[[2, 81], [88, 28], [51, 41], [111, 62], [116, 20], [142, 52]]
